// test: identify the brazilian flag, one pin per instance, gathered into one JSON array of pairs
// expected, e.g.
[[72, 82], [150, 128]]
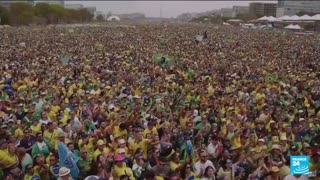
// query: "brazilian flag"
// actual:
[[163, 60]]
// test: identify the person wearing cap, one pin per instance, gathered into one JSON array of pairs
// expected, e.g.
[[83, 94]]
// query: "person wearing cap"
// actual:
[[84, 164], [64, 174], [120, 168], [122, 145], [276, 156], [284, 144], [101, 149]]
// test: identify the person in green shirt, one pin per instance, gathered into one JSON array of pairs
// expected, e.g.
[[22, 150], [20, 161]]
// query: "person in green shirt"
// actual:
[[84, 163], [203, 124]]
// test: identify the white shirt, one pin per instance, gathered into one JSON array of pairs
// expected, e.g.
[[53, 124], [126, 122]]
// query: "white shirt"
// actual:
[[201, 167], [45, 121], [211, 149]]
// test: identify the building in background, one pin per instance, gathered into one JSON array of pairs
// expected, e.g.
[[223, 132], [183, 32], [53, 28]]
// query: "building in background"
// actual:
[[237, 10], [73, 6], [290, 7], [226, 12], [263, 9]]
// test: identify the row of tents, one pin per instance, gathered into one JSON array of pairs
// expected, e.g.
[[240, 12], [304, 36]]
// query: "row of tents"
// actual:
[[290, 18]]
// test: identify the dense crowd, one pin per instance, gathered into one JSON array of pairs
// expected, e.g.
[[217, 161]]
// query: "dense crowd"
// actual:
[[95, 102]]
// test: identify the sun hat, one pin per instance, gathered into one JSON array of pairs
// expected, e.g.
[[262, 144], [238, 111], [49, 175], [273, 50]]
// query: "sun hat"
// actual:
[[276, 146], [121, 150], [121, 141], [60, 134], [92, 177], [283, 138], [119, 157], [63, 171], [275, 169], [100, 142]]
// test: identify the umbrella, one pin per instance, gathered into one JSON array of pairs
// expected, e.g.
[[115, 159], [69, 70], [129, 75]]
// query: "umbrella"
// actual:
[[163, 60]]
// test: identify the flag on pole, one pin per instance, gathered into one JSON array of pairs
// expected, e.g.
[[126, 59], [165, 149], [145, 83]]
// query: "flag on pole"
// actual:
[[68, 159]]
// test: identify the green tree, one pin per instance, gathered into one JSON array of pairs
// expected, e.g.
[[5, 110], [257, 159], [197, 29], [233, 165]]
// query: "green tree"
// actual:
[[21, 13], [4, 15], [51, 12]]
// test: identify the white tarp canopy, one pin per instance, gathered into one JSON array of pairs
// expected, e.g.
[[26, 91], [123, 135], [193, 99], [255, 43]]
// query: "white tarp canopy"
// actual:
[[316, 17], [291, 26], [294, 18], [226, 24], [264, 18], [305, 18], [285, 18], [113, 18], [269, 19]]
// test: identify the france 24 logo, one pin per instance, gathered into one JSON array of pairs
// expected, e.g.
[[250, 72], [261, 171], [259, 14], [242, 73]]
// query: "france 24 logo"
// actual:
[[299, 165]]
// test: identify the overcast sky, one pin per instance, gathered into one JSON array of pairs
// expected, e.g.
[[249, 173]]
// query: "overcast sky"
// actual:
[[152, 8]]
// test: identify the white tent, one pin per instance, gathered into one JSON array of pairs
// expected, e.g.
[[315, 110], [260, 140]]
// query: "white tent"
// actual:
[[269, 19], [264, 18], [294, 18], [316, 17], [226, 24], [291, 26], [113, 18], [284, 18], [273, 19], [305, 18]]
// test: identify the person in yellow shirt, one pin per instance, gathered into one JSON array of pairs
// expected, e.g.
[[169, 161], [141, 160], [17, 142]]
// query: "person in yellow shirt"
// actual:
[[120, 168], [30, 173], [18, 133], [35, 127], [61, 137], [139, 142], [120, 131], [54, 109], [101, 149], [87, 142], [175, 165], [3, 153], [150, 130], [50, 134]]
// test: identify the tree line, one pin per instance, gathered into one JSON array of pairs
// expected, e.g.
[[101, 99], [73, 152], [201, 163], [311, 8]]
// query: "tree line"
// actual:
[[42, 13]]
